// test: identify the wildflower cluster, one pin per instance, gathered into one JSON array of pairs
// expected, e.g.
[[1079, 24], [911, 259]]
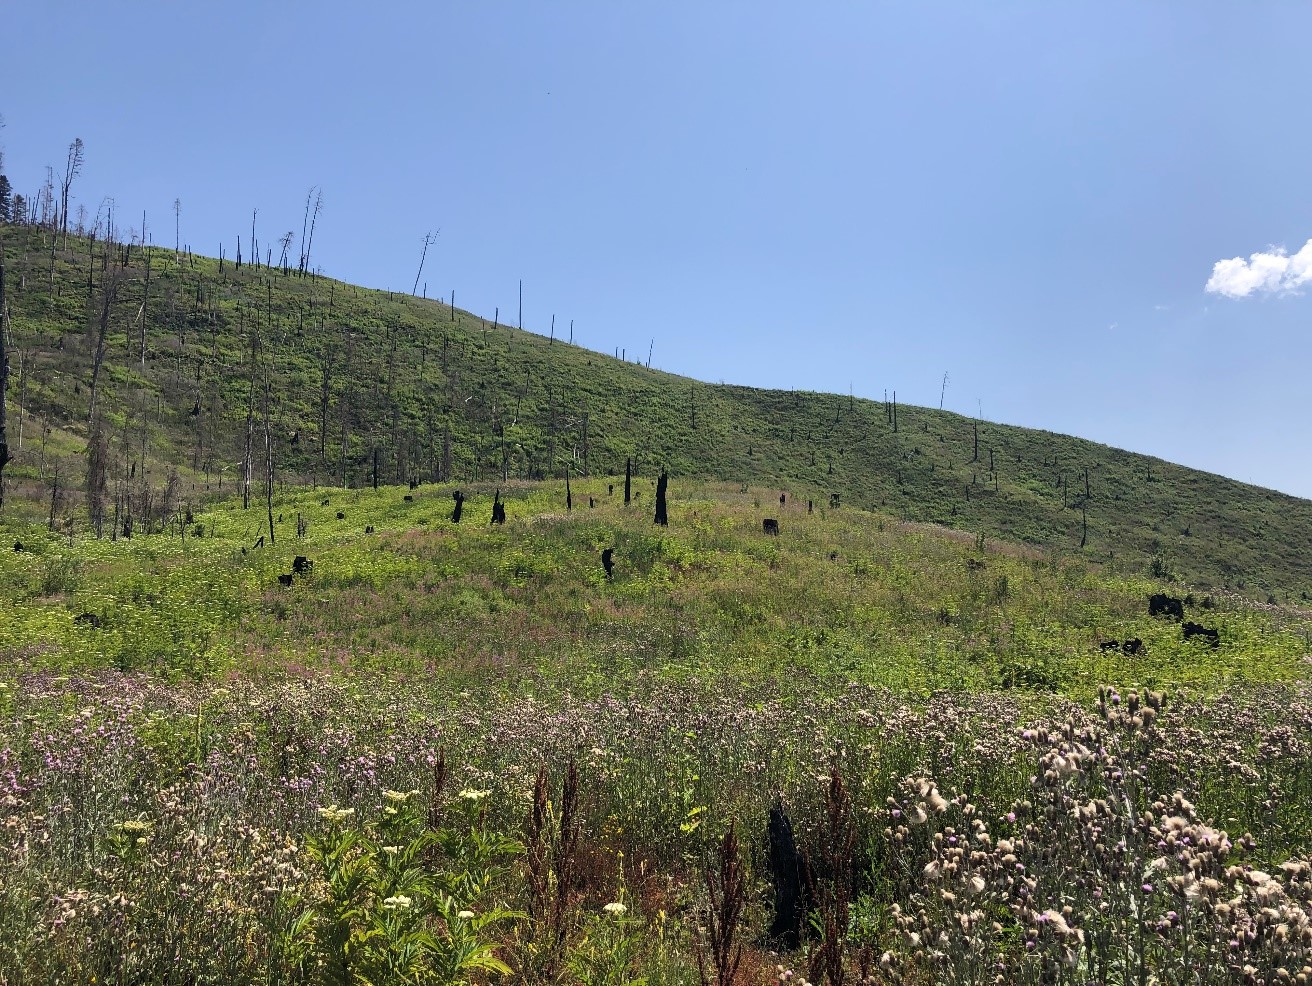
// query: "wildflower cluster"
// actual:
[[1093, 875]]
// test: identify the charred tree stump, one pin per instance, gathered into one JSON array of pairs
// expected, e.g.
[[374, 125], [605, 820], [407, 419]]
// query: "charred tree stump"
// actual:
[[786, 875], [628, 481], [661, 485], [608, 563], [498, 509], [460, 506]]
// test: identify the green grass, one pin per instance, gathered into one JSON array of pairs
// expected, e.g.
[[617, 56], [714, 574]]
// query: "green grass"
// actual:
[[166, 774], [183, 739], [405, 373], [840, 595]]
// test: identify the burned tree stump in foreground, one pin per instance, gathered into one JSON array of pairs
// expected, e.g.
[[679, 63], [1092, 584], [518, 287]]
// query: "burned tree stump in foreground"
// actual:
[[786, 875], [460, 506]]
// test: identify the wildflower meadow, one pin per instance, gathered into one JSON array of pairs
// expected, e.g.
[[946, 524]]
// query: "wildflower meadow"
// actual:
[[453, 753]]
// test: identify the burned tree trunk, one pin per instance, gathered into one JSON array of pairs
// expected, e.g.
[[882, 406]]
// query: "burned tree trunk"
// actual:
[[498, 508], [786, 874], [661, 485], [569, 498], [109, 294], [247, 462], [460, 506], [628, 480], [55, 493], [325, 383], [268, 462], [97, 477], [145, 300]]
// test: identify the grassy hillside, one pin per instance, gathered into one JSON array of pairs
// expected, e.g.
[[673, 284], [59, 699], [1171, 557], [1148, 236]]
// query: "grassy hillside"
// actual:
[[398, 587], [362, 381], [208, 776], [460, 753]]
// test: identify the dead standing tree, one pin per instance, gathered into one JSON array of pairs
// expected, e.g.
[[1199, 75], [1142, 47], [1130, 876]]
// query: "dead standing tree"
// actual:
[[248, 456], [429, 237], [315, 194], [97, 477], [327, 359], [285, 241], [72, 168], [111, 282], [268, 461], [141, 312]]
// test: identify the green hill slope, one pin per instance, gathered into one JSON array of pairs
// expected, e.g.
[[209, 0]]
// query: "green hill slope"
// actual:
[[358, 384], [398, 588]]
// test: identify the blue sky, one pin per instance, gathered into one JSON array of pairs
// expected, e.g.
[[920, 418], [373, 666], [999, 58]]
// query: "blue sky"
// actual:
[[1031, 198]]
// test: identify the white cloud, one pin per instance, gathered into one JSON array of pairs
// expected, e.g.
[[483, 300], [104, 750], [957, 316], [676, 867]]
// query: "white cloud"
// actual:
[[1273, 272]]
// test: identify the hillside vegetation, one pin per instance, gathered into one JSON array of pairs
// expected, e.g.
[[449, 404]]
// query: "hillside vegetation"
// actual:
[[360, 385], [288, 720], [397, 586], [458, 753]]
